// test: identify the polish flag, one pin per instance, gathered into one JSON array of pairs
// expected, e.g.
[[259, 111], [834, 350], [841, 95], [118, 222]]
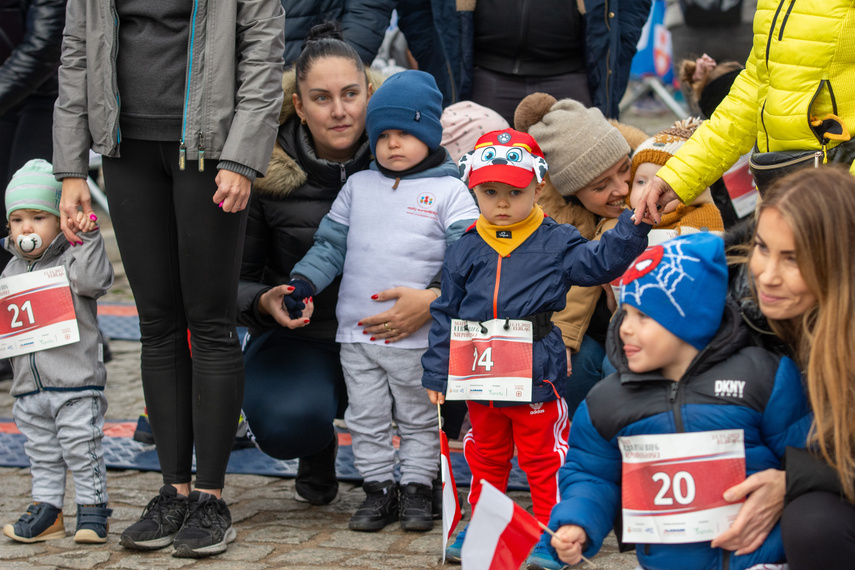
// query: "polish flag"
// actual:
[[450, 502], [500, 535]]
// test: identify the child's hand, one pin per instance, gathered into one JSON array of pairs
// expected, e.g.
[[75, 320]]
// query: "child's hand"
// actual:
[[270, 303], [436, 397], [86, 223], [568, 542]]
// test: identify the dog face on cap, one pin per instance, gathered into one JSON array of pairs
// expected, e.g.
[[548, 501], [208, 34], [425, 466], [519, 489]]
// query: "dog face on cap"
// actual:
[[505, 156]]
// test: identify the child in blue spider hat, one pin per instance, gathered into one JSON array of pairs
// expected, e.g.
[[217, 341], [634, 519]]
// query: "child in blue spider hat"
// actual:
[[685, 367]]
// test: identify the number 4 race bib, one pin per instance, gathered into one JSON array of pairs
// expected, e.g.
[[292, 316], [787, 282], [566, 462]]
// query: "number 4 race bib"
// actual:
[[673, 485], [488, 362], [36, 312]]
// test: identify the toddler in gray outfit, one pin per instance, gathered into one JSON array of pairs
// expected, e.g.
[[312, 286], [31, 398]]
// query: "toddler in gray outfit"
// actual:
[[59, 391]]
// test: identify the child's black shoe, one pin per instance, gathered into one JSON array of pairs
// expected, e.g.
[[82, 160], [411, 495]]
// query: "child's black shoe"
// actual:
[[416, 507], [41, 522], [316, 481], [92, 525], [379, 509]]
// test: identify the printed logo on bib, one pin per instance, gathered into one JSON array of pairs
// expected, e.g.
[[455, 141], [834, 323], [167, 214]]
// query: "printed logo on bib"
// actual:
[[424, 207], [672, 485], [488, 361], [503, 234]]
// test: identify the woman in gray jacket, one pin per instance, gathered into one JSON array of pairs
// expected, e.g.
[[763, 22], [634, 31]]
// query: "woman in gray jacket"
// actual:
[[182, 98]]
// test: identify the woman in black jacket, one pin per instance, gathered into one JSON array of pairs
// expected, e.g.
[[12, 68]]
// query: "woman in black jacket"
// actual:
[[294, 383]]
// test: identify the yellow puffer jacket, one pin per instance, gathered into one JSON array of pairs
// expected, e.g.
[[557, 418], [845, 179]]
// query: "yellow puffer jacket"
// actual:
[[802, 64]]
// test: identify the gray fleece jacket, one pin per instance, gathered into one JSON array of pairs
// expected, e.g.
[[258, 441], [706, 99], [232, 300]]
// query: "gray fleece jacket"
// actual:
[[77, 366]]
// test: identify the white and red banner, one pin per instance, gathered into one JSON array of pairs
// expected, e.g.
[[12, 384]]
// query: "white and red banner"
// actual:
[[490, 360], [450, 502], [500, 535], [36, 312], [673, 485]]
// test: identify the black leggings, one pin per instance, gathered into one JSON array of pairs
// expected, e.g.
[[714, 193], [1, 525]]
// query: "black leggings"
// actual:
[[182, 258], [818, 530]]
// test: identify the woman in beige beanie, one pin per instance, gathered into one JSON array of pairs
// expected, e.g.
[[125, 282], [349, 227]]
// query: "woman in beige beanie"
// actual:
[[587, 184]]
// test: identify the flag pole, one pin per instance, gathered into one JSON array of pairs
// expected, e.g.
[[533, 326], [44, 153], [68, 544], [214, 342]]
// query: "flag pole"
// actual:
[[549, 530], [439, 416]]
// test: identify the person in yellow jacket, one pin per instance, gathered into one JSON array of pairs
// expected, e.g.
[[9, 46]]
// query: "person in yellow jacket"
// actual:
[[801, 69]]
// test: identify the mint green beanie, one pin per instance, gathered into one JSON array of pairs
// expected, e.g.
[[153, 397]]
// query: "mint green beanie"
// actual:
[[34, 187]]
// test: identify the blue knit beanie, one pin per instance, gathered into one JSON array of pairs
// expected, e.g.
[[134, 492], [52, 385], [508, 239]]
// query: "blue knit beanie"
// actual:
[[682, 285], [408, 101], [33, 187]]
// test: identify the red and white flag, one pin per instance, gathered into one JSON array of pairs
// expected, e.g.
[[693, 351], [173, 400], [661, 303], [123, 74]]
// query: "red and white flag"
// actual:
[[500, 535], [450, 502]]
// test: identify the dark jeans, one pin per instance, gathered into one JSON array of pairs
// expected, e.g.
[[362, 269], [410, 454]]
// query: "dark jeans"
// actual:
[[182, 257], [818, 530], [293, 387], [587, 370], [503, 92]]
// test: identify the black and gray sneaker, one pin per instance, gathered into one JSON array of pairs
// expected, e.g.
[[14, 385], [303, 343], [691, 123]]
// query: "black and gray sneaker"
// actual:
[[416, 505], [159, 523], [207, 529]]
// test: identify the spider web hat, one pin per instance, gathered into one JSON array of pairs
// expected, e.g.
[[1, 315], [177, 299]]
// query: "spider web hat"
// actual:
[[682, 285]]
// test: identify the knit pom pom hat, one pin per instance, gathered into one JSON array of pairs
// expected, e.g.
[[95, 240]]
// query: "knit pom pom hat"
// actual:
[[408, 101], [34, 187], [664, 144], [579, 143], [682, 285], [464, 123]]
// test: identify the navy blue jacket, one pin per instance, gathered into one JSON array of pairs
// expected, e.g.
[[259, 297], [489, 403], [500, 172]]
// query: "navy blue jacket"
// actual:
[[772, 410], [533, 279], [441, 39]]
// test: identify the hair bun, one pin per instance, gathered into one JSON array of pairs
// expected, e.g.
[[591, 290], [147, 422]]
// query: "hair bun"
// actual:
[[531, 110], [324, 30]]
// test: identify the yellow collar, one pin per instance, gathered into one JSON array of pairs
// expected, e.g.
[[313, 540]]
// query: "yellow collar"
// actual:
[[505, 239]]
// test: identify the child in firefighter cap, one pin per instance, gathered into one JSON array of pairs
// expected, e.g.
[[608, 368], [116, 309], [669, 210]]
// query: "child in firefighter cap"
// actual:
[[516, 265]]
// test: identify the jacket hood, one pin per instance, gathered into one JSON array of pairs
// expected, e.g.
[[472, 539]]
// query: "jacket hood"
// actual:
[[284, 174], [732, 336]]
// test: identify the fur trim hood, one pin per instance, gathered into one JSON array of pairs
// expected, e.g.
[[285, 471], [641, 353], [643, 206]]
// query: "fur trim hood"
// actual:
[[284, 175], [530, 111]]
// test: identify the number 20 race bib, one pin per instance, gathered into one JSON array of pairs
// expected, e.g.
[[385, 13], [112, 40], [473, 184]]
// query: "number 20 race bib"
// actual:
[[673, 485], [488, 362], [36, 312]]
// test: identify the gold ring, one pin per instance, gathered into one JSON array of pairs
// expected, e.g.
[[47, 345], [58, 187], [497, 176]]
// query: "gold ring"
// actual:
[[394, 332], [386, 324]]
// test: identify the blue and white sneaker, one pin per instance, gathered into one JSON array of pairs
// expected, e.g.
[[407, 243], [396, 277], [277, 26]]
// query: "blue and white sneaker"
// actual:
[[452, 551], [541, 558]]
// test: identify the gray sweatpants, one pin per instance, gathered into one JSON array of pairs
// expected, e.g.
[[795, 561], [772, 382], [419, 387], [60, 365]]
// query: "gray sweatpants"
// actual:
[[385, 384], [64, 431]]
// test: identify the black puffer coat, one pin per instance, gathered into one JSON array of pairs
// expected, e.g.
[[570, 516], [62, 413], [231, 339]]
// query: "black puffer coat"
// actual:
[[30, 43], [286, 208]]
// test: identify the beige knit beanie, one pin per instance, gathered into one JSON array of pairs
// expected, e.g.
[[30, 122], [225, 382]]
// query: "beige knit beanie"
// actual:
[[579, 143]]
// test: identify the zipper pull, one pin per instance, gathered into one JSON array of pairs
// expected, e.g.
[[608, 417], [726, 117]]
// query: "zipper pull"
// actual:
[[201, 154], [182, 155], [673, 395], [343, 173]]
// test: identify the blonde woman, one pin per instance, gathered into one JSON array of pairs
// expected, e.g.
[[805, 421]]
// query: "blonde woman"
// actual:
[[803, 276]]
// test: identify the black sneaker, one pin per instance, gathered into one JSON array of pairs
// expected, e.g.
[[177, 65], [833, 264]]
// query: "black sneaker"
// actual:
[[379, 509], [92, 525], [207, 529], [416, 507], [316, 482], [159, 523], [41, 522]]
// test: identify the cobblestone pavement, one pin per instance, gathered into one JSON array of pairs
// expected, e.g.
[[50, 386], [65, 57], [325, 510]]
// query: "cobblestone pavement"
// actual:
[[274, 531]]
